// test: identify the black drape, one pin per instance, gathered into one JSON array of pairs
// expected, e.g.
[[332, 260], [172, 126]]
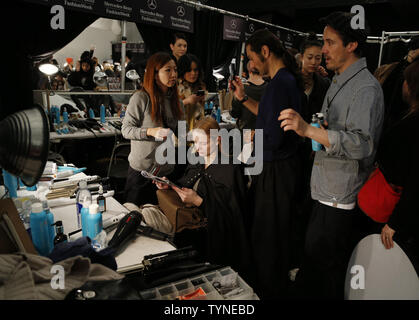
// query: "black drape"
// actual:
[[28, 37], [206, 42]]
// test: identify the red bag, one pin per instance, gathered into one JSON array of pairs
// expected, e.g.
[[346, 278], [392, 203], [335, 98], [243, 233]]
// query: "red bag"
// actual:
[[377, 198]]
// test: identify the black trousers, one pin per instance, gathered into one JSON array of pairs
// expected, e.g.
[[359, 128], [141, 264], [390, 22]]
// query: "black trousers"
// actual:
[[274, 194], [331, 236], [139, 190]]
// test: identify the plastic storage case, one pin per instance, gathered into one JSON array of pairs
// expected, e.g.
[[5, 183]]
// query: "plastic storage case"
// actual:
[[222, 284]]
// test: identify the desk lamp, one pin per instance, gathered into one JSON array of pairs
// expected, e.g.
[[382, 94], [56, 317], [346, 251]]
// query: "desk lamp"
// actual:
[[24, 147], [49, 69]]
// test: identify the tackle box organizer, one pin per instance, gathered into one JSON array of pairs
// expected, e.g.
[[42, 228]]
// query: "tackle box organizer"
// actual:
[[222, 284]]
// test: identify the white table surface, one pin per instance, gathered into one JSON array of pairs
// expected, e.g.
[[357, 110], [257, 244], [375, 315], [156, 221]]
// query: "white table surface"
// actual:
[[133, 255]]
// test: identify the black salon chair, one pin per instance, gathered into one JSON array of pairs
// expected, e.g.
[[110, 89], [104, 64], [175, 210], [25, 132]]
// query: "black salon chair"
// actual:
[[118, 168]]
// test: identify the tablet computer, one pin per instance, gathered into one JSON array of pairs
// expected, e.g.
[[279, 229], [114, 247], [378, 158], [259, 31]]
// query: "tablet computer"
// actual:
[[148, 175]]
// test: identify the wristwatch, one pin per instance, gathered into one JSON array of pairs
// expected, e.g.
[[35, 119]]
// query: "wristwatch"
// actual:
[[244, 99]]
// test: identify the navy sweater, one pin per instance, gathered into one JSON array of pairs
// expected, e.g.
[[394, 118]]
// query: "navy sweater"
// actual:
[[282, 93]]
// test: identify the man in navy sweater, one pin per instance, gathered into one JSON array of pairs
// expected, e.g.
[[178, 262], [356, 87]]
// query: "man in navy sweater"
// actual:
[[274, 190]]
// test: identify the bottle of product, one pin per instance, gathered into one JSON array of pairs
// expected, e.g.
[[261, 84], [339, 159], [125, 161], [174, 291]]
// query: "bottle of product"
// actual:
[[65, 115], [94, 221], [101, 200], [11, 184], [123, 110], [57, 114], [60, 237], [218, 115], [91, 113], [25, 214], [102, 113], [84, 212], [50, 220], [81, 196], [214, 111], [39, 229], [315, 122]]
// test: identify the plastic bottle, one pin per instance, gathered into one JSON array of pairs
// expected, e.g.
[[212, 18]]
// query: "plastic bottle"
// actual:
[[57, 115], [94, 221], [39, 229], [102, 113], [315, 122], [218, 115], [81, 195], [60, 237], [10, 182], [211, 105], [25, 214], [84, 212], [91, 113], [65, 115], [50, 220], [214, 111], [123, 110], [101, 200]]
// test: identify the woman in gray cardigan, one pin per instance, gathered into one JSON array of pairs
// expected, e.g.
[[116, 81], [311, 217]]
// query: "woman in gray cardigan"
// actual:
[[152, 113]]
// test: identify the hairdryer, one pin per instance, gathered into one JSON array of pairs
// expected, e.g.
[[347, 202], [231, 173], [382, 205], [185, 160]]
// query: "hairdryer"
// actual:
[[126, 230]]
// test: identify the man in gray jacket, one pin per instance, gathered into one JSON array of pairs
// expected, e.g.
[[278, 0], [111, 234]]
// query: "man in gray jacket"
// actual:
[[353, 109]]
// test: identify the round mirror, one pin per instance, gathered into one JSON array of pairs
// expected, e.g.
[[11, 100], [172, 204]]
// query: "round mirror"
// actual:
[[100, 78], [132, 75]]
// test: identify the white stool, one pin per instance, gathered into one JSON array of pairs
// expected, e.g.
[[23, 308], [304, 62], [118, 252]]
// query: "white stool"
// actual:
[[388, 274]]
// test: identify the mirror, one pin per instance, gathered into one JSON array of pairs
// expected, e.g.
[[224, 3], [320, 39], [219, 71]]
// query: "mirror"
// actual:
[[100, 78], [132, 75]]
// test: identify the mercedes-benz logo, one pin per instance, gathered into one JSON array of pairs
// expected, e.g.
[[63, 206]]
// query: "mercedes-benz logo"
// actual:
[[233, 24], [251, 27], [152, 4], [180, 11]]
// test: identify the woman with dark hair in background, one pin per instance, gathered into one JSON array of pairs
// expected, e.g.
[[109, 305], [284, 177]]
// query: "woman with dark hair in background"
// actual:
[[274, 189], [151, 113], [398, 158], [189, 83], [178, 45]]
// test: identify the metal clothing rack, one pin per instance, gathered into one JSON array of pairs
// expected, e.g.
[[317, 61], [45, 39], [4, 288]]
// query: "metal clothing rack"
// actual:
[[386, 37]]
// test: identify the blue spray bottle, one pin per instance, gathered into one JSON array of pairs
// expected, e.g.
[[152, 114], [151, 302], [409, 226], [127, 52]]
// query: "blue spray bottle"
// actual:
[[50, 220], [94, 221], [102, 113], [65, 115], [315, 122], [91, 113], [39, 229], [84, 212], [10, 182]]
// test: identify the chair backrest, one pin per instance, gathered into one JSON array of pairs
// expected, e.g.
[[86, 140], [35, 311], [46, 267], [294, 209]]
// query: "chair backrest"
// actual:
[[375, 273]]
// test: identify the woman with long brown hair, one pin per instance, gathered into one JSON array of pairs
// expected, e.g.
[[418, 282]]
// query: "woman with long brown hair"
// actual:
[[152, 112]]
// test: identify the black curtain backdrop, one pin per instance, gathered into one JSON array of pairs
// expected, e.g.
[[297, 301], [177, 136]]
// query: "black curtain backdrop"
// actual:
[[206, 42], [27, 38]]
